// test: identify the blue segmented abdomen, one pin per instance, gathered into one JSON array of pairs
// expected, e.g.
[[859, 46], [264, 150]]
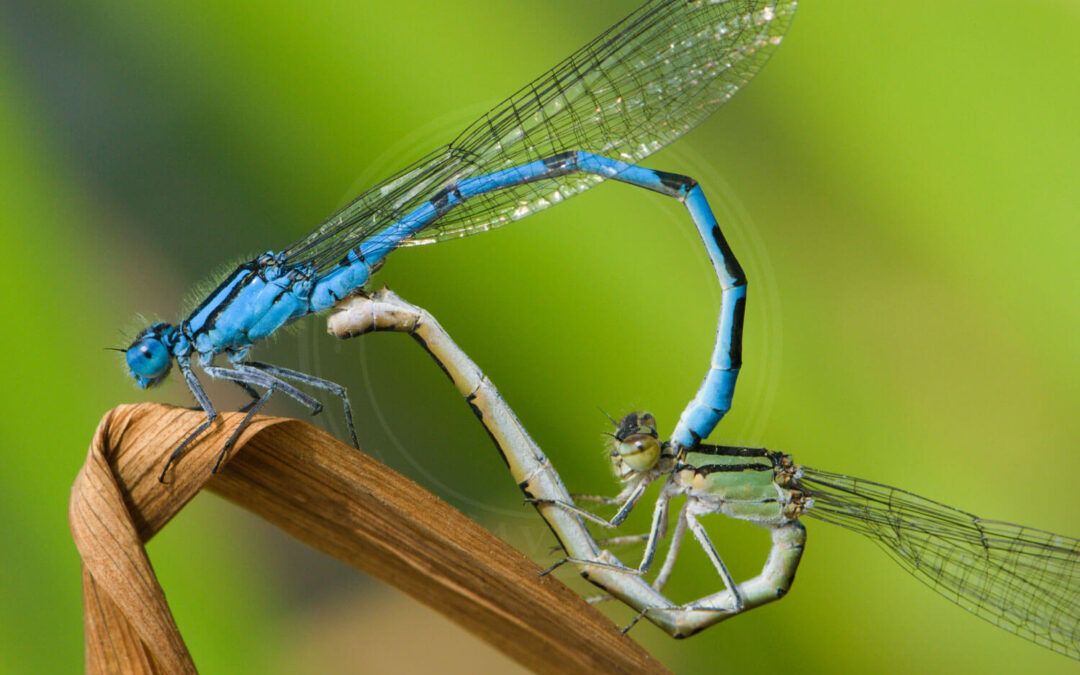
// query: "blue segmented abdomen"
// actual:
[[353, 273], [714, 397], [355, 270]]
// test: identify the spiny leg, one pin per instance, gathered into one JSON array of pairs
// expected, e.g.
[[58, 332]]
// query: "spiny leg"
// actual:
[[624, 540], [656, 532], [244, 408], [616, 520], [598, 499], [246, 379], [590, 563], [250, 391], [623, 499], [775, 579], [256, 378], [714, 556], [318, 383], [204, 402], [673, 549], [252, 409], [658, 529], [715, 614], [669, 559], [685, 610]]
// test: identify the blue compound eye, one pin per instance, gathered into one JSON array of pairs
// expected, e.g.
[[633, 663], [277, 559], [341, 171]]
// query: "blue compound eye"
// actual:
[[149, 361]]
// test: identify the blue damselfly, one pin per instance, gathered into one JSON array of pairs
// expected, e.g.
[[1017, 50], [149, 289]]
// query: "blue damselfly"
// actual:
[[633, 89]]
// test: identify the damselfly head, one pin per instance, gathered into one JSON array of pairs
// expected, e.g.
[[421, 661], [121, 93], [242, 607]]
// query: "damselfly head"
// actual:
[[149, 357], [636, 443]]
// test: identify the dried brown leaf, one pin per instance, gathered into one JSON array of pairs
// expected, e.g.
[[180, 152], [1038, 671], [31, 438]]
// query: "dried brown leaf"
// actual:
[[336, 500]]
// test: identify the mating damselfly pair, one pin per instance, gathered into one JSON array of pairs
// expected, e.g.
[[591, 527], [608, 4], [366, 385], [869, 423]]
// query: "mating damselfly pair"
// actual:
[[626, 94]]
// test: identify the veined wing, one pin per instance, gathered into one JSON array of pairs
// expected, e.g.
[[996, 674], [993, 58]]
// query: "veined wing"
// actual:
[[1023, 580], [635, 88]]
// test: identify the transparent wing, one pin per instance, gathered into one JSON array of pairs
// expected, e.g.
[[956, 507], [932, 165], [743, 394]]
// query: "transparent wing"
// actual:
[[1023, 580], [635, 88]]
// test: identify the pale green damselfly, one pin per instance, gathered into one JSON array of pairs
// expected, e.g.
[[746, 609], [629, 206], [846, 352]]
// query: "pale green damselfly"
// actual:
[[1021, 579], [1024, 580]]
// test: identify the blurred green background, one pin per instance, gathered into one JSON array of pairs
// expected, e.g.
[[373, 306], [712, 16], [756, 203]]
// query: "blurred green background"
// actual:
[[901, 184]]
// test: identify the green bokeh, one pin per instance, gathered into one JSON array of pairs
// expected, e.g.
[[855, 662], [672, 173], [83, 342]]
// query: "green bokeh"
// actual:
[[901, 183]]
